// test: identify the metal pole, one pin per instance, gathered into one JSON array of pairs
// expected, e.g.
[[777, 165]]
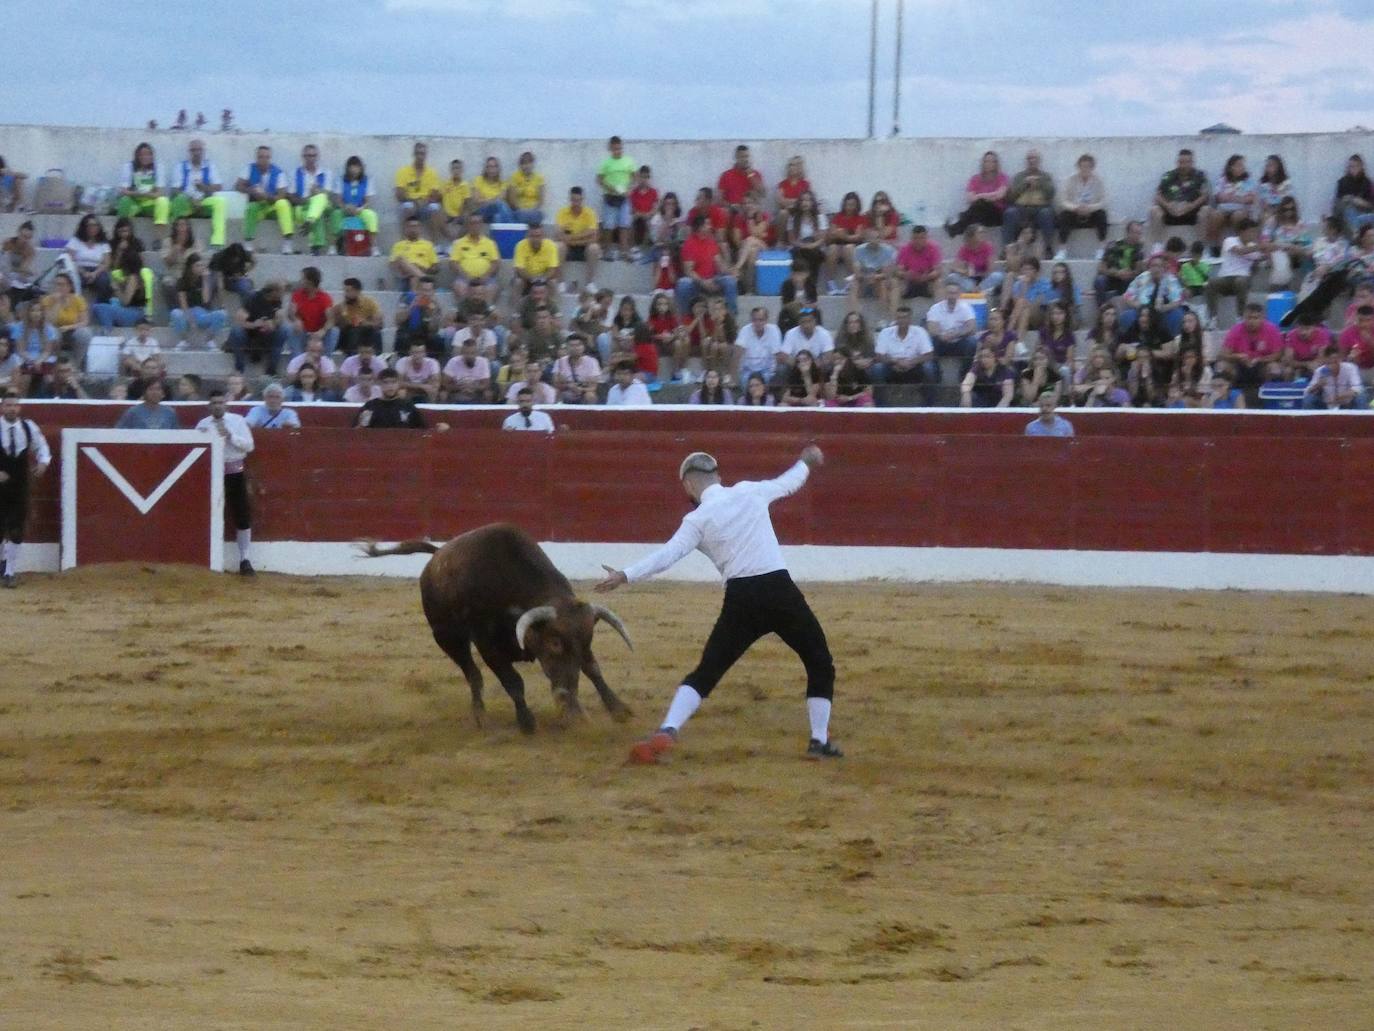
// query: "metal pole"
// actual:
[[872, 69], [897, 74]]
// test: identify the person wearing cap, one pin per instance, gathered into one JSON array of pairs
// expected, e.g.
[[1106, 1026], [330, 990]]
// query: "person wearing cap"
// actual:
[[273, 414], [535, 260], [731, 526], [527, 418], [238, 443], [24, 457]]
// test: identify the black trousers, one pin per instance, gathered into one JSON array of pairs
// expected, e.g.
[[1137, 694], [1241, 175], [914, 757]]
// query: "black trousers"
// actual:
[[1071, 220], [236, 500], [766, 604], [14, 511], [983, 212]]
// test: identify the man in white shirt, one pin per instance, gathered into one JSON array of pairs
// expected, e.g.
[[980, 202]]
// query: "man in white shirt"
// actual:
[[731, 526], [24, 456], [905, 353], [807, 335], [527, 418], [760, 342], [1335, 384], [628, 392], [238, 442], [1239, 255], [273, 414], [952, 325]]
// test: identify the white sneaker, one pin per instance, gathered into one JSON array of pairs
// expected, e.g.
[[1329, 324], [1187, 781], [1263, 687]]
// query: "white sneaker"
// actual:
[[248, 246], [591, 287], [287, 248], [1061, 255], [376, 252], [1100, 251], [182, 345], [636, 255]]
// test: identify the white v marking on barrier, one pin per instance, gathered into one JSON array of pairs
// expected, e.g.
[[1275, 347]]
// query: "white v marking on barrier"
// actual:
[[144, 505]]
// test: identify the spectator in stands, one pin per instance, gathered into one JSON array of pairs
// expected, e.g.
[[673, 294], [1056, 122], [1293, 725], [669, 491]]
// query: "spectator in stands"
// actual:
[[759, 344], [704, 269], [132, 297], [151, 370], [1083, 203], [1146, 331], [268, 191], [392, 410], [197, 309], [1121, 263], [419, 373], [1251, 344], [12, 367], [741, 181], [62, 383], [643, 206], [810, 336], [883, 214], [181, 244], [718, 216], [150, 413], [855, 339], [1306, 344], [989, 384], [1239, 256], [1354, 203], [467, 376], [1291, 257], [848, 385], [613, 178], [973, 261], [541, 343], [419, 192], [845, 234], [512, 372], [312, 196], [188, 388], [1025, 297], [1272, 189], [1105, 391], [135, 350], [1327, 252], [756, 393], [235, 389], [141, 192], [875, 269], [307, 313], [195, 192], [1334, 384], [1191, 382], [536, 258], [576, 375], [1182, 196], [232, 265], [1357, 339], [1194, 272], [712, 391], [952, 326], [364, 388], [1159, 290], [11, 188], [668, 228], [356, 320], [539, 296], [314, 355], [626, 391], [89, 250], [905, 353], [751, 233], [259, 332], [1030, 201], [1143, 380], [489, 193], [68, 314], [794, 183], [577, 235], [1001, 338], [1041, 376], [527, 418], [525, 192], [803, 382], [306, 387], [985, 197], [18, 269], [354, 200], [1049, 423], [413, 257], [474, 258], [805, 234], [919, 267], [1057, 336], [623, 326], [1224, 394], [419, 317], [645, 353], [272, 414], [366, 360], [1233, 202]]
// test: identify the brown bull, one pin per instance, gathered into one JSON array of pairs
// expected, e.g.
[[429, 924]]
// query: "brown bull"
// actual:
[[495, 588]]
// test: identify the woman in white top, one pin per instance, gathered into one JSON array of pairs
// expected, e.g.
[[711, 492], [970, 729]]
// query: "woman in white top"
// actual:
[[89, 251], [805, 232]]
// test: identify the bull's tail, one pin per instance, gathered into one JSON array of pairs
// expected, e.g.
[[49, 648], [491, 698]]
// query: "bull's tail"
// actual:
[[371, 549]]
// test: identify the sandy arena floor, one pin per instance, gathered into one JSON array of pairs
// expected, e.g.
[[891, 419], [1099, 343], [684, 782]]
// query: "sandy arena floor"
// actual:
[[263, 805]]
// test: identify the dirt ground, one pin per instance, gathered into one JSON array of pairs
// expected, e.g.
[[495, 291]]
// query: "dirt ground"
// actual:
[[263, 805]]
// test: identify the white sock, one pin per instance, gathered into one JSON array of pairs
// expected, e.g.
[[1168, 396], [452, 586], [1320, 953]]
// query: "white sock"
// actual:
[[11, 554], [245, 541], [684, 703], [819, 711]]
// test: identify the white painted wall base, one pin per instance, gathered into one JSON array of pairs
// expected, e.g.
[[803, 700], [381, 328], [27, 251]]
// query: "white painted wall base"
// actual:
[[1176, 570]]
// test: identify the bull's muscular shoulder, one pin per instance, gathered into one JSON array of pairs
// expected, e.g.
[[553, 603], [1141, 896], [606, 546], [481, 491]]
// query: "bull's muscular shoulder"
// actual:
[[495, 566]]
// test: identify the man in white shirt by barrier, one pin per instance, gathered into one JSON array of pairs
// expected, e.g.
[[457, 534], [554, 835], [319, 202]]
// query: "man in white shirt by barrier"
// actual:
[[731, 526], [527, 418], [905, 353], [760, 341], [808, 335], [627, 392], [24, 457], [238, 441]]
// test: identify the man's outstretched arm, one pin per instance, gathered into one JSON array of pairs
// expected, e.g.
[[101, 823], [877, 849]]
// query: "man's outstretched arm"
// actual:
[[792, 480], [679, 546]]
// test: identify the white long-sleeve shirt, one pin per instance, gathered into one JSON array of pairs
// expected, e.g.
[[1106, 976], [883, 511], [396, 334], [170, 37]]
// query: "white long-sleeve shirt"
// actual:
[[237, 443], [15, 441], [731, 527]]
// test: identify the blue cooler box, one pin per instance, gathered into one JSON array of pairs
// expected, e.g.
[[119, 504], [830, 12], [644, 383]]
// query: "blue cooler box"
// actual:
[[1279, 304], [979, 304], [506, 235], [772, 270]]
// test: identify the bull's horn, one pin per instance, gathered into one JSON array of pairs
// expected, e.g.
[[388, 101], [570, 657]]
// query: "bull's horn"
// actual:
[[535, 615], [616, 625]]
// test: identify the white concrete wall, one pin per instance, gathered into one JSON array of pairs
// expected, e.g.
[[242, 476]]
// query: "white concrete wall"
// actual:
[[925, 177]]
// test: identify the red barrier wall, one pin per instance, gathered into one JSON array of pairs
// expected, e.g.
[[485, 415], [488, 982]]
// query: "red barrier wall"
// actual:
[[1260, 494]]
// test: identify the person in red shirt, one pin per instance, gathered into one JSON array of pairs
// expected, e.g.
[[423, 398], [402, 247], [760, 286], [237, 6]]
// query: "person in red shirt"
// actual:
[[740, 181], [793, 185], [1251, 344], [706, 206], [845, 233], [1357, 340], [751, 233], [919, 264], [1306, 344], [643, 204], [308, 311], [704, 269], [663, 323]]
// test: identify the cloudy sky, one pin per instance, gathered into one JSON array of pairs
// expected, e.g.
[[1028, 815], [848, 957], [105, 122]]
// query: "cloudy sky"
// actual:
[[703, 68]]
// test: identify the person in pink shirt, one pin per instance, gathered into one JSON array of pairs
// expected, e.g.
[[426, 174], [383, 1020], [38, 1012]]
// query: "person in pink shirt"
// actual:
[[919, 265], [419, 374], [1251, 344], [364, 389], [366, 359], [974, 259], [467, 376], [1306, 344], [577, 374], [985, 197], [1357, 340], [1364, 294]]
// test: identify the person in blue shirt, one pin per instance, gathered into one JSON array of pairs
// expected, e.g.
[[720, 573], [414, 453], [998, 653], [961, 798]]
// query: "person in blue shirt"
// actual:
[[272, 414], [150, 413], [1028, 297], [268, 190], [1049, 423]]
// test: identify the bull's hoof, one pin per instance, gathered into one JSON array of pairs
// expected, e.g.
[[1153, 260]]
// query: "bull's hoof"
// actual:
[[526, 720], [620, 712], [479, 716]]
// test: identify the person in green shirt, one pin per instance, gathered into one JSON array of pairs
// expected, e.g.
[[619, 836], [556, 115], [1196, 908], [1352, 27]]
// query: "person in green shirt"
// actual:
[[1193, 273], [614, 178]]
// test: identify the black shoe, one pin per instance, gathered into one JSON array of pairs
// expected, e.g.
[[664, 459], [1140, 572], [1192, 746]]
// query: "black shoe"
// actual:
[[10, 581], [246, 568], [817, 750]]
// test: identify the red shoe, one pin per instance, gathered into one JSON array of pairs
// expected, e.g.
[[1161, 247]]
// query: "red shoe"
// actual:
[[652, 748]]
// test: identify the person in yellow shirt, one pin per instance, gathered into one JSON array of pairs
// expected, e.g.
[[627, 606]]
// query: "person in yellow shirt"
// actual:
[[525, 192], [578, 229], [419, 191], [457, 197], [536, 257], [475, 259], [413, 256], [489, 194]]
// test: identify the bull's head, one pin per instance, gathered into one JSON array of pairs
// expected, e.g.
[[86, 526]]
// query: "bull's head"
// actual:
[[559, 636]]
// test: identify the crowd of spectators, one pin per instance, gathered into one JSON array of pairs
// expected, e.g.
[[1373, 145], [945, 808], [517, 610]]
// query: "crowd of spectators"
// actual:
[[472, 327]]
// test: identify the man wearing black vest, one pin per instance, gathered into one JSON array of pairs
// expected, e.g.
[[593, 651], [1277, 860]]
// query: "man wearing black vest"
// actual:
[[21, 446]]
